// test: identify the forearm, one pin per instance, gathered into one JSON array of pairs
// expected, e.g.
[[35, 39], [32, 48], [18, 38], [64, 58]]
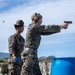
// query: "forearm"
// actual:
[[50, 29]]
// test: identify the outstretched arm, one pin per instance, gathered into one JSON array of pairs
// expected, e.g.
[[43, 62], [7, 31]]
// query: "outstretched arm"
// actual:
[[50, 29]]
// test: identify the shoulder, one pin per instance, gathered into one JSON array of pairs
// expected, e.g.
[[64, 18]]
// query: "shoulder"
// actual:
[[35, 27], [39, 27], [12, 37]]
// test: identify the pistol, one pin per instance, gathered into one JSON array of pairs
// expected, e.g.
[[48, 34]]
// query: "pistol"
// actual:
[[69, 22]]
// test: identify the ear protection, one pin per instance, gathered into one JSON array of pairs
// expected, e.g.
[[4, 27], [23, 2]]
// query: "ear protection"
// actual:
[[36, 18]]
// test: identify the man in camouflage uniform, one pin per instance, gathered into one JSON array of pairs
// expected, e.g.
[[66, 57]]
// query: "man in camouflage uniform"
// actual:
[[16, 46], [33, 37]]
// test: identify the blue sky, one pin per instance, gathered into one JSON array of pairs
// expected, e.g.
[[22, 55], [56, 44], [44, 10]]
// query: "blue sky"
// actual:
[[53, 11]]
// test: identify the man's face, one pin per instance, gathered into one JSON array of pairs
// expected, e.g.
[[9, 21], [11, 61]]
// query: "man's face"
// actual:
[[40, 21], [20, 29]]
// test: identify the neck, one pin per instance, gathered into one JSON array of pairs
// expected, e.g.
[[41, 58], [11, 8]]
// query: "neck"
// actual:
[[34, 22], [17, 33]]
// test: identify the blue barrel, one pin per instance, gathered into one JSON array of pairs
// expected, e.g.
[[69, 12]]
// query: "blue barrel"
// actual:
[[63, 66]]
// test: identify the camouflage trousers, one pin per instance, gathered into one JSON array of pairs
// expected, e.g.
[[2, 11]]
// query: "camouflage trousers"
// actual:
[[30, 65], [14, 68]]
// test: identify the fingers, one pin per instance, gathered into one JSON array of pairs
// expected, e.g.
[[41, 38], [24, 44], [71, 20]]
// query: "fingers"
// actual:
[[64, 26]]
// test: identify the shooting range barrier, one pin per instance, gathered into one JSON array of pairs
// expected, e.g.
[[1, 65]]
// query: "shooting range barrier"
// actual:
[[63, 66]]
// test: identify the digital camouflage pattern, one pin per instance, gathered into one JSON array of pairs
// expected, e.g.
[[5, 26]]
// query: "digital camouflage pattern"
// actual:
[[33, 38], [16, 46]]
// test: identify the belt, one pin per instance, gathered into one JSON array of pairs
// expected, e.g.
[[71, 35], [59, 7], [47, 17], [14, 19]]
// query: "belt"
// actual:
[[34, 51], [30, 48]]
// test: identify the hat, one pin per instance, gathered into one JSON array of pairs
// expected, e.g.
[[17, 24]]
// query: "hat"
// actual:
[[19, 23]]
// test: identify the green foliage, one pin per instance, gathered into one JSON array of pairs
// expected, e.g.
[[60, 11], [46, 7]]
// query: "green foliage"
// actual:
[[49, 58], [1, 60], [4, 68]]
